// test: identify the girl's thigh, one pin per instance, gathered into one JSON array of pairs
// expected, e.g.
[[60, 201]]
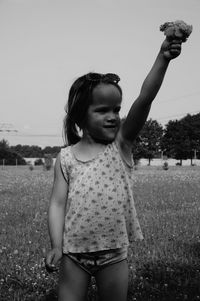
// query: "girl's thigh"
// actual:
[[112, 282], [73, 282]]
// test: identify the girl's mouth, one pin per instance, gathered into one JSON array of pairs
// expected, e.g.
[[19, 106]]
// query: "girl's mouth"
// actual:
[[110, 126]]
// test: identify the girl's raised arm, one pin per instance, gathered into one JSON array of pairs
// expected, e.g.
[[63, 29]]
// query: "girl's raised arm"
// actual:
[[140, 109]]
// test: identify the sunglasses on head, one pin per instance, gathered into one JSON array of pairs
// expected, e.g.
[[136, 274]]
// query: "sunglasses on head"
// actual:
[[108, 77]]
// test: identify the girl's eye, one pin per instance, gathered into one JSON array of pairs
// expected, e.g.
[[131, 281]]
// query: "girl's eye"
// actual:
[[117, 110], [105, 110], [102, 110]]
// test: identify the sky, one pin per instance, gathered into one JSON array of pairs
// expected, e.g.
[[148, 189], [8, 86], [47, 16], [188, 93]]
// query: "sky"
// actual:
[[47, 44]]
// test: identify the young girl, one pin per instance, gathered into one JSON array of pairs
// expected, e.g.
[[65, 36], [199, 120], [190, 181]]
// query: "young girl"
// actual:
[[92, 218]]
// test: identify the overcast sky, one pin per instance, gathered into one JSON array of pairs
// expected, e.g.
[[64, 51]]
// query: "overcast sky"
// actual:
[[47, 44]]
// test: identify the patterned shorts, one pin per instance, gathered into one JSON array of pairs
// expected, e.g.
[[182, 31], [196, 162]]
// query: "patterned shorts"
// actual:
[[95, 261]]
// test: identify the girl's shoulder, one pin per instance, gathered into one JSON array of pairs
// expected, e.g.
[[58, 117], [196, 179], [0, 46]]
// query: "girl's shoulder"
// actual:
[[65, 158], [65, 154], [65, 150]]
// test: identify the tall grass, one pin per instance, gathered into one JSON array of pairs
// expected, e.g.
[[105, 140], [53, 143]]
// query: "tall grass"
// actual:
[[165, 266]]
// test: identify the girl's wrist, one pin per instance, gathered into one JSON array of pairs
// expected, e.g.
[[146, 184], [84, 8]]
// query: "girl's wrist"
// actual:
[[163, 59], [56, 246]]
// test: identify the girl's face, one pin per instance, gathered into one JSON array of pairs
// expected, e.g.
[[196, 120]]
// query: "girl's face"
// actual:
[[102, 120]]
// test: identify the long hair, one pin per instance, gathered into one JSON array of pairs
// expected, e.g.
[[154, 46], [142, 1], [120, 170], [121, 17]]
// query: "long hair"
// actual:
[[79, 100]]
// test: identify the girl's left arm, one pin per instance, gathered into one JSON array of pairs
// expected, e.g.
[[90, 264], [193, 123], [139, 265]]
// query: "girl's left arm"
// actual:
[[140, 108]]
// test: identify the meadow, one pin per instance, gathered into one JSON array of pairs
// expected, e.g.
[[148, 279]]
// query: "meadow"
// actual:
[[165, 266]]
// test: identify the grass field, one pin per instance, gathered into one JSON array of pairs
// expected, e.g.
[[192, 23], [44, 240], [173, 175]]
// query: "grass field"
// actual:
[[165, 266]]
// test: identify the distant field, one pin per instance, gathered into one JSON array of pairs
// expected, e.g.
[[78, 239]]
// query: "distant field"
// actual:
[[165, 266]]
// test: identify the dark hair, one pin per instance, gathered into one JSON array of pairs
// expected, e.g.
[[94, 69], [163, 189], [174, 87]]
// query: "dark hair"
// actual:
[[79, 100]]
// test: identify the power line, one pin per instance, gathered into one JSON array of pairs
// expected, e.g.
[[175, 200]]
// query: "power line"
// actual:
[[180, 97], [179, 115], [8, 127], [37, 135]]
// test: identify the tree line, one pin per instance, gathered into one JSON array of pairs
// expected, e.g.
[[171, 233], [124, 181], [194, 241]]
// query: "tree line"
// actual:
[[12, 155], [179, 139], [34, 151]]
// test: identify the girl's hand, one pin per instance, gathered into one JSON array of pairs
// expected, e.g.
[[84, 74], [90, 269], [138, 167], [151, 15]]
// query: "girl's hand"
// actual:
[[171, 48], [52, 259]]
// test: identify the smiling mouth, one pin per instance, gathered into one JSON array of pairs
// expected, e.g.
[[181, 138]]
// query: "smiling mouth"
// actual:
[[112, 129], [110, 126]]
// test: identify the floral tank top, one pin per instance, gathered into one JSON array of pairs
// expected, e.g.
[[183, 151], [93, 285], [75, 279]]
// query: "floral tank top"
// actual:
[[100, 210]]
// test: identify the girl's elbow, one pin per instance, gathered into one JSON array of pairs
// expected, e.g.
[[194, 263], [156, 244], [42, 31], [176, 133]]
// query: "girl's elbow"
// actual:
[[57, 202]]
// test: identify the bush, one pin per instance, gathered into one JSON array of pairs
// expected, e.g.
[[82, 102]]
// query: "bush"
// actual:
[[11, 158], [31, 167], [48, 161], [38, 162], [165, 166]]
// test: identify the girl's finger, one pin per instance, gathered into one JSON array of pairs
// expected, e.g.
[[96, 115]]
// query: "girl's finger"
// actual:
[[50, 266], [177, 41], [175, 51], [175, 48], [49, 259], [56, 260], [177, 45]]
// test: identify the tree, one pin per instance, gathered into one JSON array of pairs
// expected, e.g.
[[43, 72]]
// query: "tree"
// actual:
[[28, 151], [9, 157], [34, 151], [53, 150], [173, 140], [137, 150], [191, 124], [150, 139], [4, 145], [182, 138]]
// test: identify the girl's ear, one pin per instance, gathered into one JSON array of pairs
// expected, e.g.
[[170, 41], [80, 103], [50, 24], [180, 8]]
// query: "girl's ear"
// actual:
[[71, 131]]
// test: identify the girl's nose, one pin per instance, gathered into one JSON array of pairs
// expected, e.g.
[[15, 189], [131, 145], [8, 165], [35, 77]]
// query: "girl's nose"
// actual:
[[112, 116]]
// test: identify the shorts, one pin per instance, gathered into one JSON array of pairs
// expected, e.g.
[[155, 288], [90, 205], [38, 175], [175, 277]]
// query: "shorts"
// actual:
[[93, 262]]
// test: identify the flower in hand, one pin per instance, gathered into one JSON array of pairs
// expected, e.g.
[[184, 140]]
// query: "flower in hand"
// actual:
[[176, 30]]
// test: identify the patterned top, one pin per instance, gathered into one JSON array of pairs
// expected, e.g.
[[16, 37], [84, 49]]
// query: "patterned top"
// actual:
[[100, 210]]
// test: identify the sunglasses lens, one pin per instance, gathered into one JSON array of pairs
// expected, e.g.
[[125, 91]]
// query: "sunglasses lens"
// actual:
[[97, 77], [112, 77], [94, 77]]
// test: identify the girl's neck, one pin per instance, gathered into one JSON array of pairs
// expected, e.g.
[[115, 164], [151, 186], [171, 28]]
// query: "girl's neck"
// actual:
[[87, 148], [88, 140]]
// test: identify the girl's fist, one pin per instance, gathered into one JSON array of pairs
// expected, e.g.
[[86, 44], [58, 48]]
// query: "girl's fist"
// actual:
[[171, 49], [53, 258]]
